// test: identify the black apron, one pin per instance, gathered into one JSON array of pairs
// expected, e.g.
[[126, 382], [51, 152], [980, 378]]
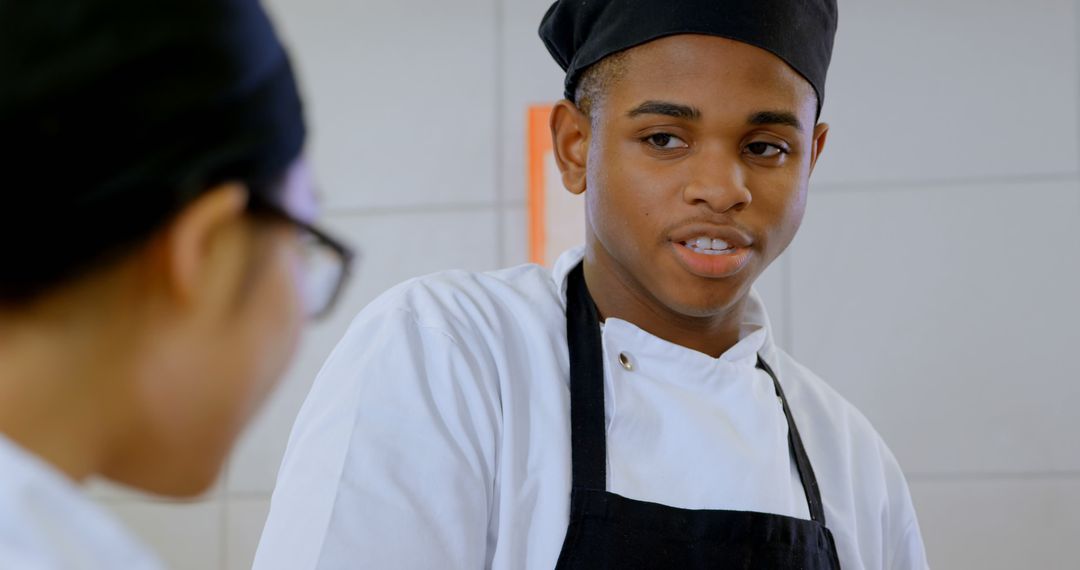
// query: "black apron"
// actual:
[[610, 531]]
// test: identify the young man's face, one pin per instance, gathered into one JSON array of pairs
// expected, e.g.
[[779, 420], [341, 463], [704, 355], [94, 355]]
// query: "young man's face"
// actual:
[[696, 171]]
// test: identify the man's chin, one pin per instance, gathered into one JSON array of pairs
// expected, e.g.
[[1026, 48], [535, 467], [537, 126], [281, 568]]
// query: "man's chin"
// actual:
[[707, 304]]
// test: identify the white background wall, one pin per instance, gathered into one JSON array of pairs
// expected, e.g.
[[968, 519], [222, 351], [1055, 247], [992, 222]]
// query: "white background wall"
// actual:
[[935, 281]]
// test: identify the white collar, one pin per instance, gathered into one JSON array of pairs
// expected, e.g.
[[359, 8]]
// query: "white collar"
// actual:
[[755, 319], [53, 517]]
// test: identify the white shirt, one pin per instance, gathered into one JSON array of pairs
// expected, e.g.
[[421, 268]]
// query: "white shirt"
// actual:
[[47, 523], [437, 435]]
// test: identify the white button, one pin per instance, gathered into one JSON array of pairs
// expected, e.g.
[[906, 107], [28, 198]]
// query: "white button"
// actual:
[[624, 359]]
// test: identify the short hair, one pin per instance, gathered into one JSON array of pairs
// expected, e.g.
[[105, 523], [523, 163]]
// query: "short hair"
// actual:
[[597, 79], [100, 149]]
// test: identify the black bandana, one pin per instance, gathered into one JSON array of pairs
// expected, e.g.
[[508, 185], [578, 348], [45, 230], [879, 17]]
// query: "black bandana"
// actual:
[[579, 33], [114, 113]]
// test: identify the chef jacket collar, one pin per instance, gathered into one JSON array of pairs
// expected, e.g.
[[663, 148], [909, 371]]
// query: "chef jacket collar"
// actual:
[[755, 318]]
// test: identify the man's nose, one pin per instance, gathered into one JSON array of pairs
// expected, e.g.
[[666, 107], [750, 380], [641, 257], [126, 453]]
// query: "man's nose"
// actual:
[[719, 182]]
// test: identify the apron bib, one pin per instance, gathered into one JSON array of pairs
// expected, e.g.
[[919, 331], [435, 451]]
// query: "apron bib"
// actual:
[[610, 531]]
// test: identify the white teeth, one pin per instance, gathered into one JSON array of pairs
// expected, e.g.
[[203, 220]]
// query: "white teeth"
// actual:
[[708, 246]]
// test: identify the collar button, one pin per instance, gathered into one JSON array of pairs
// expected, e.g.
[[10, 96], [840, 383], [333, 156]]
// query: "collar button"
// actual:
[[626, 362]]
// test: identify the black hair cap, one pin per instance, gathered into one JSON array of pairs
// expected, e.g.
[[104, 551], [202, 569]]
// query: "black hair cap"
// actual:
[[579, 33]]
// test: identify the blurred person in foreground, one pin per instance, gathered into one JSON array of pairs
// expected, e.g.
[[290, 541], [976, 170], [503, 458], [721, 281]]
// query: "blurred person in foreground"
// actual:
[[628, 408], [157, 258]]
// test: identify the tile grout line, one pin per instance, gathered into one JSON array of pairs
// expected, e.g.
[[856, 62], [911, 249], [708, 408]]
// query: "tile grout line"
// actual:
[[1076, 64], [499, 168], [789, 307], [252, 495], [223, 504], [970, 476], [450, 208], [162, 502], [917, 476], [869, 186], [827, 188]]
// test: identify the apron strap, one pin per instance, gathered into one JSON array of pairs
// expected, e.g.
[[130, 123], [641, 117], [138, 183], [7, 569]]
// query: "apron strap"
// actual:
[[587, 432], [802, 461]]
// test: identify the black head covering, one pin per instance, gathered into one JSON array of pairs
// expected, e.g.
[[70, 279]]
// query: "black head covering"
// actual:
[[115, 113], [579, 33]]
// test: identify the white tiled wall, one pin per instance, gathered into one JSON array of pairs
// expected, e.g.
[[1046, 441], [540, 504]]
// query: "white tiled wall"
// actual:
[[935, 282], [948, 315], [188, 536], [977, 522], [402, 97], [928, 90]]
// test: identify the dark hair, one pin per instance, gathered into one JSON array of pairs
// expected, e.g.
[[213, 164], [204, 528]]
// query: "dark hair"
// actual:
[[120, 113], [74, 243], [596, 80]]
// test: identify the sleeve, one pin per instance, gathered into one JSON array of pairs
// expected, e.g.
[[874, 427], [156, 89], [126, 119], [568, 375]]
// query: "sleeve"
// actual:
[[908, 553], [903, 537], [391, 461]]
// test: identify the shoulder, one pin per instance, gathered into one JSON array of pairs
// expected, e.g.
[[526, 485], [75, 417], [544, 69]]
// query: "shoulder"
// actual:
[[832, 426], [464, 304], [825, 410], [860, 478], [48, 522], [465, 325], [12, 557]]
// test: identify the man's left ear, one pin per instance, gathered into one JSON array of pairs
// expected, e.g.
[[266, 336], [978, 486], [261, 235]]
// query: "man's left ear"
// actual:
[[570, 131], [821, 132]]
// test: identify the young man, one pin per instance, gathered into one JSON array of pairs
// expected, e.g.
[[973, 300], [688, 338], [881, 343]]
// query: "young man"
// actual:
[[628, 409], [156, 257]]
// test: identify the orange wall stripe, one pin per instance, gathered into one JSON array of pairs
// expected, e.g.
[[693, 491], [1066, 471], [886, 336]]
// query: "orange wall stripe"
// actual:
[[540, 145]]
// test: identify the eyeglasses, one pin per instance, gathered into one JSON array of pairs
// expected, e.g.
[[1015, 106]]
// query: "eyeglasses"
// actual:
[[327, 261]]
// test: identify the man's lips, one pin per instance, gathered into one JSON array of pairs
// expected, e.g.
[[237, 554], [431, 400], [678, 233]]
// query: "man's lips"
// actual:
[[731, 235], [712, 264], [711, 251]]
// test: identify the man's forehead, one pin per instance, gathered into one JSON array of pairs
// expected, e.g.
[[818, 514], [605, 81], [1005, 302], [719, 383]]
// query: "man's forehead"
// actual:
[[683, 111], [696, 73]]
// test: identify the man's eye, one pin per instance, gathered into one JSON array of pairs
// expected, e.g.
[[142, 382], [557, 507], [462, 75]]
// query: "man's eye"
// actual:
[[665, 141], [764, 150]]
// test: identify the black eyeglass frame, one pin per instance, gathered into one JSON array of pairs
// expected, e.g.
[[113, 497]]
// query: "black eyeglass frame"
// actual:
[[257, 204]]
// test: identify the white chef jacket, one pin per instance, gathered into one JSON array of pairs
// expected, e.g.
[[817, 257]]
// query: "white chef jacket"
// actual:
[[47, 523], [437, 435]]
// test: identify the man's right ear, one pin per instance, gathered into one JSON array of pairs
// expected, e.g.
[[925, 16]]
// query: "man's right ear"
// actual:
[[570, 132]]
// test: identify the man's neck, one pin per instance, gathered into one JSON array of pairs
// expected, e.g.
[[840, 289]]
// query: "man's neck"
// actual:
[[621, 296]]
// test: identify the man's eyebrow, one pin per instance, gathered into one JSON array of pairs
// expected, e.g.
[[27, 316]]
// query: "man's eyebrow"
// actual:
[[665, 108], [775, 118]]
